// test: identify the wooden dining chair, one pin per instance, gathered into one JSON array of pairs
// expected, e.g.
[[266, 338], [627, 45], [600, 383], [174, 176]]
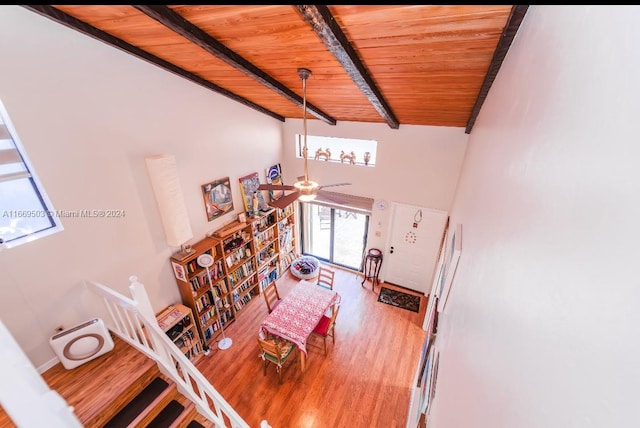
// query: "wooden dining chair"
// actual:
[[271, 296], [276, 351], [326, 327], [325, 277]]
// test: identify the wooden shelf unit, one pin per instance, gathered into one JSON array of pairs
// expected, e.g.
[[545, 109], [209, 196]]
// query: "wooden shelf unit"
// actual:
[[247, 257], [274, 236], [286, 237], [200, 295], [267, 243], [178, 324], [238, 253]]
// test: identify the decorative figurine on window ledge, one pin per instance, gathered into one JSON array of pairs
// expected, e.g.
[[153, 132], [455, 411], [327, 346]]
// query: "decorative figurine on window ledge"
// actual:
[[326, 154], [351, 157], [367, 158]]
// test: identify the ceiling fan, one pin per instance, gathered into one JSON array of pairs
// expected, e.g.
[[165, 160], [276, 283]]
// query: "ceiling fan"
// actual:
[[304, 189]]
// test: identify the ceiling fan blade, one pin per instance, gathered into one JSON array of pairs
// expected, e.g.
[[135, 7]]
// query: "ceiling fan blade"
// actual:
[[285, 201], [275, 187], [336, 198], [333, 185]]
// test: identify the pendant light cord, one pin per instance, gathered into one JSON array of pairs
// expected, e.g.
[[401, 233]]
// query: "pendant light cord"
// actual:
[[304, 75]]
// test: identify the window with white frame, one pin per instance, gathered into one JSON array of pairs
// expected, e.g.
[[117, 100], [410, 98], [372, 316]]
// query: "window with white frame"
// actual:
[[26, 213], [352, 151]]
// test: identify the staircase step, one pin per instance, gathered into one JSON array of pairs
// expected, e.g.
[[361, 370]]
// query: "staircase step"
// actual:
[[167, 416], [195, 424], [138, 404]]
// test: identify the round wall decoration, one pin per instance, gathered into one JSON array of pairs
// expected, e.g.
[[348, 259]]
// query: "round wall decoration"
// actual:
[[411, 237], [381, 205]]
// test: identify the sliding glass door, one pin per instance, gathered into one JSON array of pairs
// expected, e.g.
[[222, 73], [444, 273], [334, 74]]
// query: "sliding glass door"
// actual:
[[334, 235]]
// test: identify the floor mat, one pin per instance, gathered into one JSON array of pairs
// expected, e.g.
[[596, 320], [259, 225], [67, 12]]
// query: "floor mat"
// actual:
[[399, 299]]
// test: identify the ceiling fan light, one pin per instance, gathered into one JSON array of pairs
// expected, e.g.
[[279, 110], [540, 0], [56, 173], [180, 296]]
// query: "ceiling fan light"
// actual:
[[307, 190], [306, 198]]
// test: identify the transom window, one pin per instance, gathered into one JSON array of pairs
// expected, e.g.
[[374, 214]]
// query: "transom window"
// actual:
[[351, 151], [26, 213]]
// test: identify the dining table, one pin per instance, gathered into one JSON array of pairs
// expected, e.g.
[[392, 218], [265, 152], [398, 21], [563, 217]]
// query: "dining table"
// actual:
[[299, 313]]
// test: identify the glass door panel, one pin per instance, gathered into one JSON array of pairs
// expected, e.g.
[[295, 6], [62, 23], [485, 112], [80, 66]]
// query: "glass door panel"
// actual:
[[334, 235], [349, 232]]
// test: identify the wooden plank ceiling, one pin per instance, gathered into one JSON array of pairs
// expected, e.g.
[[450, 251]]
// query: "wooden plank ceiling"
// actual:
[[399, 65]]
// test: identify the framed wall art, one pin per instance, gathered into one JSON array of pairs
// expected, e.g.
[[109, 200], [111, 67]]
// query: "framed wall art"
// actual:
[[249, 187], [427, 378], [274, 176], [217, 198], [433, 381], [178, 271], [452, 251]]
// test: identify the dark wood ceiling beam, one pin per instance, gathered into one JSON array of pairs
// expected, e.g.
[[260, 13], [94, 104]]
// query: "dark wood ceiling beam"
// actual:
[[194, 34], [75, 24], [508, 34], [325, 26]]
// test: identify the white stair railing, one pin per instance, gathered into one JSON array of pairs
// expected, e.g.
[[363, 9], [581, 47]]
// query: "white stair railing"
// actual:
[[22, 390], [133, 320]]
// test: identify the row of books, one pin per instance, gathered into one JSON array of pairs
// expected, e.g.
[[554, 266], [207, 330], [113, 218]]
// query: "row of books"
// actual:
[[282, 213], [206, 316], [241, 273], [265, 238], [203, 301], [267, 276], [286, 237], [226, 316], [244, 287], [220, 289], [239, 304], [238, 255], [286, 258], [193, 266], [200, 280]]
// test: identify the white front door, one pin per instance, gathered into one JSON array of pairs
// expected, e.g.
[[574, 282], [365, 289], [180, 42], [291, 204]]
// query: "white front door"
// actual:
[[414, 244]]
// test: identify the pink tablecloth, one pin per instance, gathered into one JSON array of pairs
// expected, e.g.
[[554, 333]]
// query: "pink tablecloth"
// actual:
[[299, 312]]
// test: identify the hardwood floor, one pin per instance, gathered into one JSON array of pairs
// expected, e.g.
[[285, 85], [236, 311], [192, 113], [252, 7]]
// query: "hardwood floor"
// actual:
[[364, 381]]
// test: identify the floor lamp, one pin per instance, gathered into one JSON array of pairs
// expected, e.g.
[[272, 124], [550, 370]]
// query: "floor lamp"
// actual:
[[206, 261]]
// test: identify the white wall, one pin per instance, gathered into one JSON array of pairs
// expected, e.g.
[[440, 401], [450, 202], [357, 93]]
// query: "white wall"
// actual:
[[541, 329], [88, 114], [416, 165]]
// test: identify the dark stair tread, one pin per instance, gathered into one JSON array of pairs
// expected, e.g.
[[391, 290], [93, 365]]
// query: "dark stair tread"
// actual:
[[195, 424], [136, 406], [167, 416]]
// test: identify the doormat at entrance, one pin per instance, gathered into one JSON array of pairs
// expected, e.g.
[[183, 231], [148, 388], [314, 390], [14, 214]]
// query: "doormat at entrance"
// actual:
[[399, 299]]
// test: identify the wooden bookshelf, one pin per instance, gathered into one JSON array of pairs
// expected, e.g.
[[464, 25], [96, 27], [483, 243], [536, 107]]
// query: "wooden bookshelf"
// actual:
[[267, 244], [274, 236], [178, 324], [238, 253], [286, 237], [247, 257], [199, 294]]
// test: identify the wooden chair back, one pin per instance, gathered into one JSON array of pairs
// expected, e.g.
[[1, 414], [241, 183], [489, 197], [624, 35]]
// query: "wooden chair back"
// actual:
[[271, 296], [326, 327], [332, 320], [275, 351], [325, 277]]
